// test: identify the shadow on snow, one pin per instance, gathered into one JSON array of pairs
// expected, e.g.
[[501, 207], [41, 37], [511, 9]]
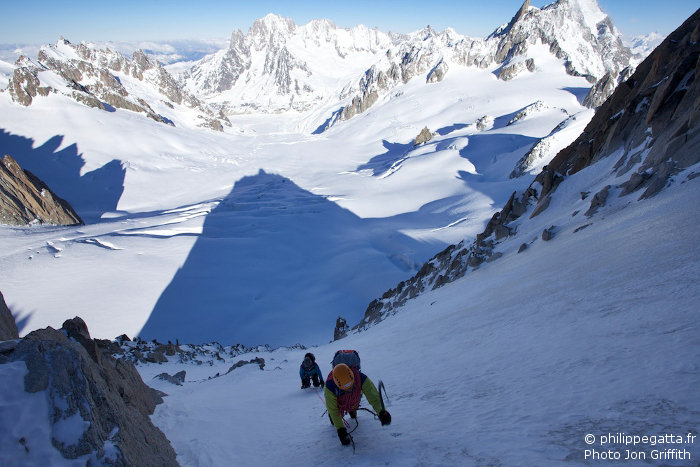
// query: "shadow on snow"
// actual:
[[91, 194], [395, 152], [276, 264], [495, 154]]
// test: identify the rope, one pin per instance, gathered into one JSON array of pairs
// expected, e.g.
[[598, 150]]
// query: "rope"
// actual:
[[319, 396]]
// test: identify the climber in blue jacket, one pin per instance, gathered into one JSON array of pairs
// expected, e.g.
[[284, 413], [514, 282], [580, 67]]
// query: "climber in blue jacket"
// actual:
[[309, 371]]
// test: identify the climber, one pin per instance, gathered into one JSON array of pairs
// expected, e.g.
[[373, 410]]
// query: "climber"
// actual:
[[309, 370], [344, 388]]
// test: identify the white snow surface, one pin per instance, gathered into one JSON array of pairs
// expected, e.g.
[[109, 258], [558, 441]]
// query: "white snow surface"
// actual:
[[266, 232], [593, 332]]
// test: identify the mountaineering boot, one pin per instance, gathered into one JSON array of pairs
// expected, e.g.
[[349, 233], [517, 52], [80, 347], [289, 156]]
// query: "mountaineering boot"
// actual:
[[345, 438]]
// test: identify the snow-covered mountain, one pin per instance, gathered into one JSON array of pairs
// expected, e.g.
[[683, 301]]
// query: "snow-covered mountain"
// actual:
[[642, 140], [642, 46], [278, 65], [104, 79], [575, 31], [563, 325]]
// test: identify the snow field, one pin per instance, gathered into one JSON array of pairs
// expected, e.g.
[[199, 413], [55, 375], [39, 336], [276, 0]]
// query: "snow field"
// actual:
[[394, 206], [513, 364]]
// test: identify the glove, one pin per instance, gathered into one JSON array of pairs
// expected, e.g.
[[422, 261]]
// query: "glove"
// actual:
[[385, 417], [345, 438], [322, 384]]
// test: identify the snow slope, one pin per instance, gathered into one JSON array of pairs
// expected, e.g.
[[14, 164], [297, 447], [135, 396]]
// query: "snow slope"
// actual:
[[593, 332]]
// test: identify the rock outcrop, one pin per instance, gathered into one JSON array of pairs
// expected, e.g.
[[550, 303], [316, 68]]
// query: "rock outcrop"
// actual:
[[24, 85], [544, 149], [438, 72], [341, 328], [25, 199], [604, 88], [8, 327], [650, 122], [98, 407], [424, 136]]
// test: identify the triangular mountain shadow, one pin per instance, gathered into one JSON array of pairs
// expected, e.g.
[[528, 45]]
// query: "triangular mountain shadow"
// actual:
[[91, 194], [276, 264]]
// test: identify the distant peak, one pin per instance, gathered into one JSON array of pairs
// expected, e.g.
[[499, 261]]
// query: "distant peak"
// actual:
[[517, 17], [428, 31], [276, 22]]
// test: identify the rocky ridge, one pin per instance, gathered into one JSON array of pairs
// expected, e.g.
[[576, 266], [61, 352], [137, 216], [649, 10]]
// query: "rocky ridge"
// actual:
[[139, 351], [25, 199], [649, 124], [98, 406], [8, 327], [100, 78], [543, 150]]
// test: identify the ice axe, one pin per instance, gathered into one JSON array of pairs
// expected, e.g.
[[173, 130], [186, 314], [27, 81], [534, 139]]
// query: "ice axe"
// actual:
[[381, 397]]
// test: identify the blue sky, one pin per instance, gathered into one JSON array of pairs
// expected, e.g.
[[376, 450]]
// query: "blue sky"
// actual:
[[43, 21]]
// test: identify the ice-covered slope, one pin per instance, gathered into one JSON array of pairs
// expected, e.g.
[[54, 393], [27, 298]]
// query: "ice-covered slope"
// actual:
[[552, 354], [515, 364], [592, 333]]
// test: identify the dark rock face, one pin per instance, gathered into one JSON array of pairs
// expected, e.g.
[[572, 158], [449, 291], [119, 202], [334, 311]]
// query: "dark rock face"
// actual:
[[341, 328], [653, 114], [8, 327], [25, 199], [256, 361], [91, 390], [176, 379]]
